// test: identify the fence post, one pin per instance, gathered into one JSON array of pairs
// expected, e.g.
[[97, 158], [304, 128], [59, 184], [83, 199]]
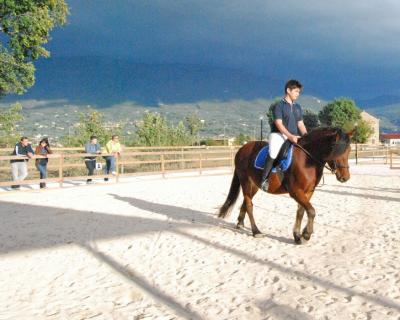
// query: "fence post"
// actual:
[[200, 163], [61, 170], [117, 168], [182, 158], [391, 159], [387, 154], [162, 165], [232, 159]]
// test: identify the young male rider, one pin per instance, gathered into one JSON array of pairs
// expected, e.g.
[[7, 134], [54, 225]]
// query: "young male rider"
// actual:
[[287, 124]]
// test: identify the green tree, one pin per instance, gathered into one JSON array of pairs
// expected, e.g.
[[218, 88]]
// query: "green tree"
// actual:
[[154, 130], [242, 139], [26, 26], [270, 112], [194, 123], [344, 113], [340, 113], [91, 123], [363, 132], [179, 135], [310, 119], [8, 121]]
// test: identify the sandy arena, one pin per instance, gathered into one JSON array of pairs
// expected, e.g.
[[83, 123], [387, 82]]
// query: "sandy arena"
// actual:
[[152, 248]]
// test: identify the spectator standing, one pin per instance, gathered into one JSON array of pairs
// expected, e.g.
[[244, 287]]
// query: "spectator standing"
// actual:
[[43, 149], [112, 147], [91, 147], [19, 167]]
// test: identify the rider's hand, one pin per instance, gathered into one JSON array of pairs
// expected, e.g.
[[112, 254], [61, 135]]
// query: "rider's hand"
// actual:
[[293, 138]]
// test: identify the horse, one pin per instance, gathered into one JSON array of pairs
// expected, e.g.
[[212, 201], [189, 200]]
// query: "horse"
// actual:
[[323, 147]]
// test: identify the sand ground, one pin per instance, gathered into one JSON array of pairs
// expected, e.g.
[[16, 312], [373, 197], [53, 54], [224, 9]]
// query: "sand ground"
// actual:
[[152, 248]]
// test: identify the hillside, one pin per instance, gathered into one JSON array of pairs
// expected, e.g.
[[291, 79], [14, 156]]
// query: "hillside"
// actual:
[[56, 118], [389, 116], [229, 100]]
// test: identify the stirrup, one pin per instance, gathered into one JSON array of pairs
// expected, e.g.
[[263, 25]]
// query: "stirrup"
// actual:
[[264, 185]]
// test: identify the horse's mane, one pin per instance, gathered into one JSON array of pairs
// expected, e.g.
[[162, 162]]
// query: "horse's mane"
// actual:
[[325, 137]]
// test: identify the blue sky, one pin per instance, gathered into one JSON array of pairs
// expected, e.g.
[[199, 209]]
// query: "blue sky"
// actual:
[[335, 48]]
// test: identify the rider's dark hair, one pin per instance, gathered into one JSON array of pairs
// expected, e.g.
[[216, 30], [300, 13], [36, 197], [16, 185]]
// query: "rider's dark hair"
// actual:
[[293, 84]]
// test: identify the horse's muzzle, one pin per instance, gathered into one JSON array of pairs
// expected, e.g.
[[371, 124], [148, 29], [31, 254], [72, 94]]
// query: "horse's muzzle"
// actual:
[[343, 179]]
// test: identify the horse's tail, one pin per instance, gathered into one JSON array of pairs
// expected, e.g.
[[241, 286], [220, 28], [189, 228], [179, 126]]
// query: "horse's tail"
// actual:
[[232, 197]]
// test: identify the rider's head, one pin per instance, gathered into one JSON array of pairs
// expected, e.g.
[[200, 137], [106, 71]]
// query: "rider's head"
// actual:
[[293, 89]]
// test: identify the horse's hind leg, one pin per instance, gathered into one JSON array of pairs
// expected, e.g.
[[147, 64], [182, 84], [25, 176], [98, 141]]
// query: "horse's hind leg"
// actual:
[[243, 208], [297, 224], [249, 190], [242, 214]]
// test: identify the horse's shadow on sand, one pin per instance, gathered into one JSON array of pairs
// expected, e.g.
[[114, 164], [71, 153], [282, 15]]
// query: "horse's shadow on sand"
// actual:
[[170, 211], [192, 216]]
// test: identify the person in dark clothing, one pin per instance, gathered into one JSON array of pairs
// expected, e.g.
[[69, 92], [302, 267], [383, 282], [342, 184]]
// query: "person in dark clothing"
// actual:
[[91, 147], [43, 149], [19, 167], [288, 124]]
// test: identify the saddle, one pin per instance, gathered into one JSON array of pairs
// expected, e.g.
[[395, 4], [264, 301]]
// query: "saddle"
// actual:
[[282, 161]]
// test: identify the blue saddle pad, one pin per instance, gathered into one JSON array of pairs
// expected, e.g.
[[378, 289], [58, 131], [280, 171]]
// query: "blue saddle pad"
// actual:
[[283, 164]]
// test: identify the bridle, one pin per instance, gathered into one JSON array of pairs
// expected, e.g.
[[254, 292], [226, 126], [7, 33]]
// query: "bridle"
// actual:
[[338, 166], [335, 164]]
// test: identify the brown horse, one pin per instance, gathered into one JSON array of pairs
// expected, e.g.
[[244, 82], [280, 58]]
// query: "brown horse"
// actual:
[[310, 155]]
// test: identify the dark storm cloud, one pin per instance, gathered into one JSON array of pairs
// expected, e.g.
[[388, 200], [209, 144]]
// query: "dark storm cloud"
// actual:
[[351, 42]]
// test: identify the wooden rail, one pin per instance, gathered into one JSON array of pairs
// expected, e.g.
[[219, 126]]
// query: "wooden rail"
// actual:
[[160, 160], [198, 158], [394, 155]]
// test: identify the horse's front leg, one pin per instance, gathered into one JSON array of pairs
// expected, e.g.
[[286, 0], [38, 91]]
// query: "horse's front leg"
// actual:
[[297, 224], [303, 199], [309, 228]]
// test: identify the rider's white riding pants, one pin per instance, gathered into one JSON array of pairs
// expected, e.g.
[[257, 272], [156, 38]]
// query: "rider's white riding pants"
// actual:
[[276, 141]]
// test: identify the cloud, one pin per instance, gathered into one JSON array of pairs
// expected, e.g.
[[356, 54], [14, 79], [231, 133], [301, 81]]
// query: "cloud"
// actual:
[[343, 39]]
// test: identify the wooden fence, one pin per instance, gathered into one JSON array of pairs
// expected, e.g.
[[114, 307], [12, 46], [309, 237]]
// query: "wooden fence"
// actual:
[[372, 154], [395, 159], [67, 164]]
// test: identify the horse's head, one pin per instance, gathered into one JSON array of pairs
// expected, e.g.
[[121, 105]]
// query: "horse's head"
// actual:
[[338, 159]]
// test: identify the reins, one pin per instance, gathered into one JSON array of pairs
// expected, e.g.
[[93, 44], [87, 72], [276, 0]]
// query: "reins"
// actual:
[[315, 159]]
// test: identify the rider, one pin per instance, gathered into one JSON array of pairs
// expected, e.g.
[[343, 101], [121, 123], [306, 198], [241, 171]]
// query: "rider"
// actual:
[[287, 124]]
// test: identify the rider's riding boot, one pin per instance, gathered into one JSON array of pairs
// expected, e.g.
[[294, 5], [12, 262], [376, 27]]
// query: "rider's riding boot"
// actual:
[[266, 173]]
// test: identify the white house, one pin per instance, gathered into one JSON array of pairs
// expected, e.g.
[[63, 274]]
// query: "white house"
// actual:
[[391, 139], [374, 123]]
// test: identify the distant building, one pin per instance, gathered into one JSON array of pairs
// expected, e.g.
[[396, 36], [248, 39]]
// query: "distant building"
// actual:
[[374, 123], [391, 139]]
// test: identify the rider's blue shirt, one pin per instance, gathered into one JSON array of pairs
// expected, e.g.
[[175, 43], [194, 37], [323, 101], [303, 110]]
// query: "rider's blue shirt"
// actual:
[[289, 114]]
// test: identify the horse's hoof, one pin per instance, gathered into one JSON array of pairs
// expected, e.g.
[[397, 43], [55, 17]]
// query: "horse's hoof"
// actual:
[[240, 226], [306, 236], [259, 235], [297, 238]]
